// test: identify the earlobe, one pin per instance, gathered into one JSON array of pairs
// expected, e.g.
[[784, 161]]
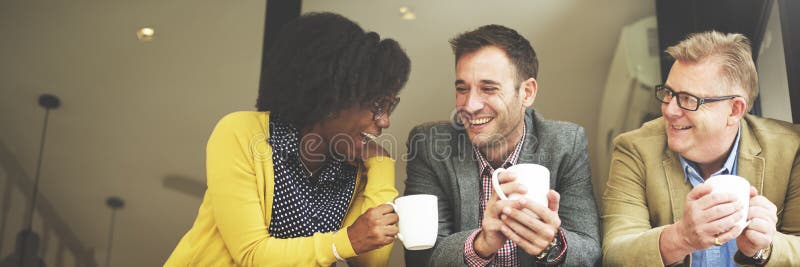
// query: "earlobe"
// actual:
[[738, 110]]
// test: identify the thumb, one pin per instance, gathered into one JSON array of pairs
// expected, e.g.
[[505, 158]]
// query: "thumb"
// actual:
[[553, 199], [753, 192], [698, 192]]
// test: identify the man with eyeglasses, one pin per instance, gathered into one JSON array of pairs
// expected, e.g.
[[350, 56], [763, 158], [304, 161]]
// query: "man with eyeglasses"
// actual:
[[657, 209], [495, 86]]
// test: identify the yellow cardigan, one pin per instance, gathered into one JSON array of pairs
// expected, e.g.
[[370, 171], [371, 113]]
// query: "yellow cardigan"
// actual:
[[232, 224]]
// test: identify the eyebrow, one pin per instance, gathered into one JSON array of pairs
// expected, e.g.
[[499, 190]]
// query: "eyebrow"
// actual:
[[683, 92], [489, 82]]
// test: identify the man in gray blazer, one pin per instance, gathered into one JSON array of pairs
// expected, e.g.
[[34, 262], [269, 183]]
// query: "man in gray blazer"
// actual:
[[495, 127]]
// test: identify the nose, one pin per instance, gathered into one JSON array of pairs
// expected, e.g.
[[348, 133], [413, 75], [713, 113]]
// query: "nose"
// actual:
[[671, 109], [384, 121], [474, 102]]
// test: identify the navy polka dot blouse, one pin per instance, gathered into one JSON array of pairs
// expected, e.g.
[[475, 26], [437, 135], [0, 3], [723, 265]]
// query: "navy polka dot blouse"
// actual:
[[304, 205]]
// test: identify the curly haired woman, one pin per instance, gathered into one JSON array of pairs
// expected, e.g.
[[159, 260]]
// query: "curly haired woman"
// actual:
[[301, 182]]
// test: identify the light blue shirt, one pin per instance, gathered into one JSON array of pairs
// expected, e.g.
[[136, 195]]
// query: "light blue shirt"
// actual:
[[715, 255]]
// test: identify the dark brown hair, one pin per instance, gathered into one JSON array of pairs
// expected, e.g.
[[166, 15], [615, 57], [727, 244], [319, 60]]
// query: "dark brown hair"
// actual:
[[518, 49]]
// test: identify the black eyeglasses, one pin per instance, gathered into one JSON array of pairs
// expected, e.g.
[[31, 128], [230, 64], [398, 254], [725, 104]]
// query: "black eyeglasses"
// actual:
[[686, 101], [384, 106]]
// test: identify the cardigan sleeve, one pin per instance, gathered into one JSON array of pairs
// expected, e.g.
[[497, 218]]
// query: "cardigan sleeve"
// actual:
[[233, 156], [379, 189]]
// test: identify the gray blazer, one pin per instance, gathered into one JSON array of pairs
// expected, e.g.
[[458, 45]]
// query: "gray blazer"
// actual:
[[440, 152]]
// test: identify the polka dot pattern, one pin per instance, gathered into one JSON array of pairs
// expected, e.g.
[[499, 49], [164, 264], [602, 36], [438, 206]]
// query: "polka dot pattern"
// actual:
[[304, 205]]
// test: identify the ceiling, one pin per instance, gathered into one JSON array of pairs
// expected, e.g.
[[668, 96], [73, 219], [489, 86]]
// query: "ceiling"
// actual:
[[136, 112]]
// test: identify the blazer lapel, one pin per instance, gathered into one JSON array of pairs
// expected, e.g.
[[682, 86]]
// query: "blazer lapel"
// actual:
[[468, 182], [750, 163], [529, 154], [676, 183], [530, 142]]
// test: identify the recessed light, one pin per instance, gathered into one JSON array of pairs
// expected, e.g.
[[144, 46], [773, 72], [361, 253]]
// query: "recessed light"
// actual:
[[145, 34], [407, 14]]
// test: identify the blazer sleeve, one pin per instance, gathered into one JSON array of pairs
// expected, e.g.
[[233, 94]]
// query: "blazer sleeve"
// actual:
[[786, 241], [422, 179], [233, 189], [628, 238], [580, 221]]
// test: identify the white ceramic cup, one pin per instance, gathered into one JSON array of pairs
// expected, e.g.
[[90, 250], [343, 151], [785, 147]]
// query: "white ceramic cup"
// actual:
[[535, 178], [735, 185], [419, 220]]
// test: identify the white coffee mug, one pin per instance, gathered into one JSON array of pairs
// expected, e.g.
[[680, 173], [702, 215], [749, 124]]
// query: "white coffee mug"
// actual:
[[535, 178], [419, 220], [735, 185]]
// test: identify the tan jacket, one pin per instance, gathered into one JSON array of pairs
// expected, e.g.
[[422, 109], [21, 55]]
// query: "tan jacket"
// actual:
[[646, 189]]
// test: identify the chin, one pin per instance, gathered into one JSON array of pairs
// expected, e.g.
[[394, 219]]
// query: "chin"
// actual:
[[677, 147], [475, 140]]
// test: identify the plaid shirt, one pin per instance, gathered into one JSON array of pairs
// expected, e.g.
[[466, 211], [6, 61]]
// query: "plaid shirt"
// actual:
[[507, 255]]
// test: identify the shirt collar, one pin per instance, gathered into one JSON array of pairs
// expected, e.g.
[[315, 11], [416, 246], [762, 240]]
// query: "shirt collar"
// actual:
[[483, 164], [285, 139]]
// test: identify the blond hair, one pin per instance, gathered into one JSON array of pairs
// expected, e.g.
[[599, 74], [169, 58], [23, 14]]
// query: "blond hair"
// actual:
[[731, 51]]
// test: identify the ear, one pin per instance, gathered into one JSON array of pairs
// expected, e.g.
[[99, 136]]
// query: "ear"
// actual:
[[738, 109], [528, 89]]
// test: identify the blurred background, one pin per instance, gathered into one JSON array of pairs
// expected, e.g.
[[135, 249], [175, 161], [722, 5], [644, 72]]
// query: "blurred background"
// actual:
[[120, 160]]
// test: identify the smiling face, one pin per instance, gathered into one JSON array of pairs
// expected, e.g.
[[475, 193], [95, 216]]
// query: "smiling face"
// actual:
[[705, 135], [345, 134], [487, 99]]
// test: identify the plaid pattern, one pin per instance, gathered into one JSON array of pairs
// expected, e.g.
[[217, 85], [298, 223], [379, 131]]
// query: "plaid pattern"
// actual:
[[470, 256], [507, 255]]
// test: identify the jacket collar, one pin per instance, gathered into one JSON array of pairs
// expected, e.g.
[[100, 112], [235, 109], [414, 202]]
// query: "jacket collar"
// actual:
[[531, 143]]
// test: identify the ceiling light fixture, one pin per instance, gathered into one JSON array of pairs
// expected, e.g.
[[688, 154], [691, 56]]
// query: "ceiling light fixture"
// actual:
[[114, 203], [30, 240], [145, 34], [407, 14]]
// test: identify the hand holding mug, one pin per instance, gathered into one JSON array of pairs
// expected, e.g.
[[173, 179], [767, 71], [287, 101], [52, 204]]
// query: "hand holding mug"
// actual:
[[490, 239], [715, 212], [763, 218], [533, 177], [373, 229], [532, 233]]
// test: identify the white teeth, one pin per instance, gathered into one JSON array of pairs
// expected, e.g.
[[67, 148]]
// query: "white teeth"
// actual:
[[479, 121], [368, 135], [677, 127]]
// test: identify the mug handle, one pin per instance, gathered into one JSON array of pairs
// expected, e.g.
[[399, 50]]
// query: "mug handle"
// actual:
[[399, 236], [496, 184]]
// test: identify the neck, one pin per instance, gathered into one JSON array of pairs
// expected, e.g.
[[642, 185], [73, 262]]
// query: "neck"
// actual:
[[707, 168], [313, 152], [497, 152]]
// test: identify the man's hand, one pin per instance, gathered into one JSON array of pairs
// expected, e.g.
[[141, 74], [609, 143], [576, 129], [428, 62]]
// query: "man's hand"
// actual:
[[532, 233], [763, 217], [707, 218], [491, 239]]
